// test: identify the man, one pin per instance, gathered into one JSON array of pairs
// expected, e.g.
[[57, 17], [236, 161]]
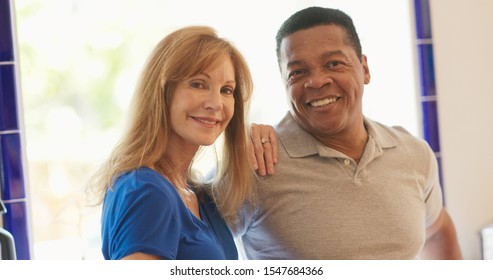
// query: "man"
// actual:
[[345, 187]]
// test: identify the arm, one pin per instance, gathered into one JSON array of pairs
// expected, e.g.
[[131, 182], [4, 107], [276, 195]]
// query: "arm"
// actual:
[[263, 151], [141, 256], [441, 240]]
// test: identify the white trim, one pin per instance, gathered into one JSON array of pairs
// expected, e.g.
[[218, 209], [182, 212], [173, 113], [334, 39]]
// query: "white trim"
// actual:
[[15, 200], [424, 41], [5, 132], [428, 98]]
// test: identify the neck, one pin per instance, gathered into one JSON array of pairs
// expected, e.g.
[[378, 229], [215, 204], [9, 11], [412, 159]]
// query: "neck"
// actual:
[[175, 163], [351, 143]]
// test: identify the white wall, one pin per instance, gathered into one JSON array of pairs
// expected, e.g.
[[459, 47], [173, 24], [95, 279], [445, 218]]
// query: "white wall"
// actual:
[[463, 45]]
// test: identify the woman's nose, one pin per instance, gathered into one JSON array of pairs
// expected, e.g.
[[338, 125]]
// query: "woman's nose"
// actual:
[[214, 100]]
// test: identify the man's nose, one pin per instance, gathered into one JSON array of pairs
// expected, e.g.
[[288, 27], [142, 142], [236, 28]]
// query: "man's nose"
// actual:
[[317, 79]]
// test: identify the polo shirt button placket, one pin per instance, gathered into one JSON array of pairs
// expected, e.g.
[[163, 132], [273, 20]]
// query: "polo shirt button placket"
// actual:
[[347, 162]]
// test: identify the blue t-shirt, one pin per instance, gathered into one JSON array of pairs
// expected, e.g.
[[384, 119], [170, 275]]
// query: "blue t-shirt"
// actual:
[[143, 212]]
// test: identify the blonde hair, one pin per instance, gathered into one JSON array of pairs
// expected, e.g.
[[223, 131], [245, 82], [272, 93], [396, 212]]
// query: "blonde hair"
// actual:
[[180, 55]]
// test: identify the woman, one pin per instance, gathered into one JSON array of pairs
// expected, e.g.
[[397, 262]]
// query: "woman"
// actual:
[[194, 87]]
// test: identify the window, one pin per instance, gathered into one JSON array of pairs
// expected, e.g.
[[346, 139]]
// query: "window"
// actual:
[[80, 60]]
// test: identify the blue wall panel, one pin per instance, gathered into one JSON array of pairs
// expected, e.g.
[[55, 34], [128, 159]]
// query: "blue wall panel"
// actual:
[[428, 94], [6, 45], [12, 187]]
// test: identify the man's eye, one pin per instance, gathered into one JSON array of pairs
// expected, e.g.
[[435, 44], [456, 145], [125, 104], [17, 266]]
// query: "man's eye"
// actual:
[[334, 64], [295, 73]]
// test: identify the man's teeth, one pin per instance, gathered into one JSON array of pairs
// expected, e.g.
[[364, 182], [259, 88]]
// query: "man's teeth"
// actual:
[[323, 102]]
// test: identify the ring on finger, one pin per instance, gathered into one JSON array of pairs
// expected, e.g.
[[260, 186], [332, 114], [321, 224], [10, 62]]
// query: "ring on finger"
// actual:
[[264, 140]]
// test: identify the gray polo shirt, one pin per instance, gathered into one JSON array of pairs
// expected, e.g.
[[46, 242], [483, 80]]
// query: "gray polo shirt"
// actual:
[[320, 204]]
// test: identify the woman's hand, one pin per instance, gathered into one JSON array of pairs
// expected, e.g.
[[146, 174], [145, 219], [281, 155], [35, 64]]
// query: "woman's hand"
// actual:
[[264, 152]]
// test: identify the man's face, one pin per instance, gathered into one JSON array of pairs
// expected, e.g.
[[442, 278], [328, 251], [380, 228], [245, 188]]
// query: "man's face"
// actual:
[[324, 80]]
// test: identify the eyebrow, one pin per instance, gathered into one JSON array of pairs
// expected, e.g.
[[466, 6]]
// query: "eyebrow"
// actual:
[[324, 55], [210, 78]]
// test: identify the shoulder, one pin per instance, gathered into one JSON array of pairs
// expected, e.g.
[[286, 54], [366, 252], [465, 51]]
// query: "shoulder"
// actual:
[[139, 211], [140, 195], [142, 178], [142, 184], [393, 135], [403, 143]]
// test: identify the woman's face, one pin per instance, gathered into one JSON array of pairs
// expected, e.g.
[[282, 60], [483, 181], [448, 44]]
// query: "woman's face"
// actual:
[[203, 105]]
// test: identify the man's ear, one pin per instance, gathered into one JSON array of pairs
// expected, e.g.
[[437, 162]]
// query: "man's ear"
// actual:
[[366, 69]]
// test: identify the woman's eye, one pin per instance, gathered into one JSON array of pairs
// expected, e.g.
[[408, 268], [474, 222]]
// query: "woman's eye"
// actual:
[[227, 90], [196, 85]]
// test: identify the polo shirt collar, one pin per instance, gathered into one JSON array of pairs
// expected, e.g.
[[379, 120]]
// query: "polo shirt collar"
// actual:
[[381, 134], [299, 143]]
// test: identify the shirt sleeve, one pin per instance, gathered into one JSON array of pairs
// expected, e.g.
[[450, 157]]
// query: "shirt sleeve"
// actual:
[[246, 216], [433, 190], [144, 221]]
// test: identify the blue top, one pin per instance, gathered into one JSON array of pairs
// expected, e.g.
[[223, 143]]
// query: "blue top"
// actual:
[[143, 212]]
